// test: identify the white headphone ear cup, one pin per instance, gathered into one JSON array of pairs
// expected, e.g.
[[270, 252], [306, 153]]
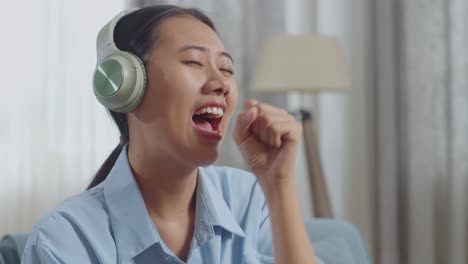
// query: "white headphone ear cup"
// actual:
[[120, 82]]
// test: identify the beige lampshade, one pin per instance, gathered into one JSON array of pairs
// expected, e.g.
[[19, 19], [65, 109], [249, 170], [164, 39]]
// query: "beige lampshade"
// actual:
[[302, 63]]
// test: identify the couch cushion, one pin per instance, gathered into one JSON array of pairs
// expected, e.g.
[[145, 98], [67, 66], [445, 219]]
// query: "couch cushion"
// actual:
[[11, 248]]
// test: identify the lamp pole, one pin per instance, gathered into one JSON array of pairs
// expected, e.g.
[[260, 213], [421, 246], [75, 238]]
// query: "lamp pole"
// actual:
[[317, 181]]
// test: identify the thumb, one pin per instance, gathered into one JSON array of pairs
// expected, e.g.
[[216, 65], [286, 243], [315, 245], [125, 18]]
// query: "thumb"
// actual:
[[244, 120]]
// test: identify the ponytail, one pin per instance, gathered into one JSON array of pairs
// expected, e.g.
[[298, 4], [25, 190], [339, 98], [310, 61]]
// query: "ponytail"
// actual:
[[122, 123], [106, 167]]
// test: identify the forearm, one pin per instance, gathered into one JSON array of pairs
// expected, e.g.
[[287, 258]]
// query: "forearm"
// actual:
[[290, 239]]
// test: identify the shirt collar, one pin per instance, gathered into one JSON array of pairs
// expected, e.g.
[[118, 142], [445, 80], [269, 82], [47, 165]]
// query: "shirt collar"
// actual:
[[212, 208], [133, 229]]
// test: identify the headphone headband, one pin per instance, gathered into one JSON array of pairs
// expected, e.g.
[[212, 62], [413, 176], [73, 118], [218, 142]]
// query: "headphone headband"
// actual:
[[105, 41]]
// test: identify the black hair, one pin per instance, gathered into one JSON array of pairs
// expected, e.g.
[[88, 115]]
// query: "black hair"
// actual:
[[137, 33]]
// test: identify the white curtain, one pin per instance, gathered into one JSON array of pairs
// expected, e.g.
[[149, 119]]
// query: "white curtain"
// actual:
[[346, 120], [53, 133], [434, 87], [422, 101]]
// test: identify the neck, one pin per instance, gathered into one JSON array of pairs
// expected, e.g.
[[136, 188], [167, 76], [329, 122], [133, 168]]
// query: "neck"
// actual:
[[167, 187]]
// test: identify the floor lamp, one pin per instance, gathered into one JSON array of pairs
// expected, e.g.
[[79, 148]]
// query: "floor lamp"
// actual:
[[305, 64]]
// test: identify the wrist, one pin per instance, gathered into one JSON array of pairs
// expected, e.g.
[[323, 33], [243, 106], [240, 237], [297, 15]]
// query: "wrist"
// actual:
[[280, 187]]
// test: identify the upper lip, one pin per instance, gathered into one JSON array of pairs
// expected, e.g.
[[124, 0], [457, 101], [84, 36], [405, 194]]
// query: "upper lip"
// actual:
[[219, 104]]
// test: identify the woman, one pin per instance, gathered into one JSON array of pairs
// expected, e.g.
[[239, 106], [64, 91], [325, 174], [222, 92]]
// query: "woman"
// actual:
[[156, 199]]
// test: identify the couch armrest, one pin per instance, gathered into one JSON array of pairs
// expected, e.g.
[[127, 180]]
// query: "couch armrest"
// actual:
[[337, 242], [12, 247]]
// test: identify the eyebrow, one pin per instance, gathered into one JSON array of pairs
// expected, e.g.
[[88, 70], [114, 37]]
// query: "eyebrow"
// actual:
[[205, 50]]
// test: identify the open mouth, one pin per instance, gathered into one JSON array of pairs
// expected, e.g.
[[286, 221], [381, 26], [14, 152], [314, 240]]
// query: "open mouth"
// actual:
[[208, 119]]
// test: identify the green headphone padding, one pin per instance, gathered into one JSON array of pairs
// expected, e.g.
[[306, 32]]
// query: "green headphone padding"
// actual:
[[108, 77]]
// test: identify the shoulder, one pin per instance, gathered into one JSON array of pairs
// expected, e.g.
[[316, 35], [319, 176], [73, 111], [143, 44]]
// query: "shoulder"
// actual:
[[74, 226], [85, 210]]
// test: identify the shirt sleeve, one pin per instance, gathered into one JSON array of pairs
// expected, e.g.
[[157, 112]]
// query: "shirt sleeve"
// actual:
[[39, 254], [58, 240]]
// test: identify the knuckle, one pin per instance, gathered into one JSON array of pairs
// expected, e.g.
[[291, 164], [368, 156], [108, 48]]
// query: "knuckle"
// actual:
[[261, 112], [261, 107], [275, 132], [266, 108], [265, 121]]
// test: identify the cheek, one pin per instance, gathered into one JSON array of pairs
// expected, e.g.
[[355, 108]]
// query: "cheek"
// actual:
[[168, 89], [180, 83], [158, 99]]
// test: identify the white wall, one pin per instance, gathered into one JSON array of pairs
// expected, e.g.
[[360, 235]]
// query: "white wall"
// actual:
[[53, 133]]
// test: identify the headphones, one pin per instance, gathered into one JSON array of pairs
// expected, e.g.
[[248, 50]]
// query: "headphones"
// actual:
[[119, 79]]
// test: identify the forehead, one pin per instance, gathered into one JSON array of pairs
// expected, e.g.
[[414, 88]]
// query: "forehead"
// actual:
[[185, 30]]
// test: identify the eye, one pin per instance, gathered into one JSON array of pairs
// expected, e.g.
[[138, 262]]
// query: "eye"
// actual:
[[226, 70], [193, 62]]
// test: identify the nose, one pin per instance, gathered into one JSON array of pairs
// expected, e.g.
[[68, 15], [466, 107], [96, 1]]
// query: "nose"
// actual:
[[217, 84]]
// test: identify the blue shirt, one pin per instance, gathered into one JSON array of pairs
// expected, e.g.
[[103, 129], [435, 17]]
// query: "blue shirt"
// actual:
[[110, 223]]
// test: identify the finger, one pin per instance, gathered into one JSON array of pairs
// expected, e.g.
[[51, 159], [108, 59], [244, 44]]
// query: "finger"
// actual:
[[284, 131], [270, 134], [279, 132], [271, 111], [243, 123], [260, 126], [262, 107], [250, 103], [267, 116]]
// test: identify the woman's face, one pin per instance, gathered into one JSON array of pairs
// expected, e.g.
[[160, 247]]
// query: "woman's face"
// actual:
[[188, 72]]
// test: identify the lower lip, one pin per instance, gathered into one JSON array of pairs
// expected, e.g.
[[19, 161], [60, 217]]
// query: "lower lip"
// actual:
[[208, 134]]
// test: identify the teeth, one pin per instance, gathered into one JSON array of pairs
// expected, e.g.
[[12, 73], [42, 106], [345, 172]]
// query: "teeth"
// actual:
[[211, 110]]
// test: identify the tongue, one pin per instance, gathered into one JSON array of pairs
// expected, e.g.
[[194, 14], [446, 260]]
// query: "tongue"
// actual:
[[203, 124]]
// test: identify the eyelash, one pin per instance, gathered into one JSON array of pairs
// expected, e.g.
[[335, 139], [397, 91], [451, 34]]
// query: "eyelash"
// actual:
[[228, 71], [194, 62], [201, 65]]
